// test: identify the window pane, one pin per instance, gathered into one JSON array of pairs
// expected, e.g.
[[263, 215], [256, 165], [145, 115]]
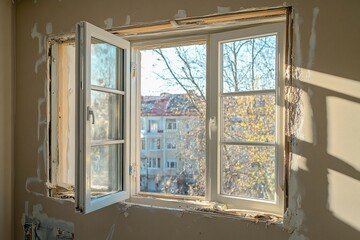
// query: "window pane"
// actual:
[[107, 116], [248, 172], [173, 96], [249, 118], [249, 64], [105, 169], [105, 70]]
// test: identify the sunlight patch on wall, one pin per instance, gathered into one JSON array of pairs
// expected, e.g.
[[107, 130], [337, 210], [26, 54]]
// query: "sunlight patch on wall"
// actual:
[[343, 200], [343, 116]]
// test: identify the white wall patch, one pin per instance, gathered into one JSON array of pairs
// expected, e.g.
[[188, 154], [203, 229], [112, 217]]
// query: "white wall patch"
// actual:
[[180, 14], [38, 226], [223, 9], [108, 23]]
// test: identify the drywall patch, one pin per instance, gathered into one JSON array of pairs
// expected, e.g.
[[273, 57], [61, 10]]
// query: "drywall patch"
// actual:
[[49, 28], [127, 20], [223, 9], [39, 36], [42, 153], [297, 46], [312, 40], [38, 226], [35, 34], [108, 23], [180, 14]]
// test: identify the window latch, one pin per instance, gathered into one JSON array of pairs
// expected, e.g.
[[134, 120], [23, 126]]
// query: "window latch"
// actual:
[[90, 112], [212, 125]]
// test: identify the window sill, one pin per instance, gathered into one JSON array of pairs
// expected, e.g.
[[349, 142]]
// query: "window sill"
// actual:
[[204, 207]]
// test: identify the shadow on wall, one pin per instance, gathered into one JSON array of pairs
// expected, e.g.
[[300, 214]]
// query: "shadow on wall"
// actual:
[[320, 221]]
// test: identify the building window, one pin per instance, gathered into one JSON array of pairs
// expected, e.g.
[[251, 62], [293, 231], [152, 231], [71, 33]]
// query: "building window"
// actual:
[[154, 162], [155, 144], [171, 163], [143, 144], [171, 124], [171, 144], [153, 125], [221, 95]]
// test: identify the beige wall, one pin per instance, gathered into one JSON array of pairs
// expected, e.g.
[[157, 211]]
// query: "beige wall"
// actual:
[[6, 118], [325, 167]]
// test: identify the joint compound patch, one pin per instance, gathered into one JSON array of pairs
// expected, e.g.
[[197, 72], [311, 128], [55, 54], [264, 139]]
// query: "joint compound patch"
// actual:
[[108, 23], [180, 14], [38, 226]]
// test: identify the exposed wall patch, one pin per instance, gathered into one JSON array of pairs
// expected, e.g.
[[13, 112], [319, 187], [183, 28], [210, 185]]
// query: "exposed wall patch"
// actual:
[[297, 45], [312, 40], [42, 148], [223, 9], [38, 226], [180, 14], [39, 36], [49, 29], [41, 43], [127, 20], [108, 23]]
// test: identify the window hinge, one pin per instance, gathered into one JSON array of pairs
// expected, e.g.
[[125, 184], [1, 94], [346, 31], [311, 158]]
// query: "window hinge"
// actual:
[[133, 69]]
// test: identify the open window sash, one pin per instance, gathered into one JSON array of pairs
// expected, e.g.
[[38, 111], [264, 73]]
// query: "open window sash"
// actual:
[[102, 73], [228, 147]]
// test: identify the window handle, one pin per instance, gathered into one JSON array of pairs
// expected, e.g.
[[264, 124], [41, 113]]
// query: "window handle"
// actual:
[[90, 112], [212, 125]]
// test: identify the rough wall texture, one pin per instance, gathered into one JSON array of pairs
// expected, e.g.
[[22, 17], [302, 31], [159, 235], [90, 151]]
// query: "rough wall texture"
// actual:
[[325, 170], [6, 118]]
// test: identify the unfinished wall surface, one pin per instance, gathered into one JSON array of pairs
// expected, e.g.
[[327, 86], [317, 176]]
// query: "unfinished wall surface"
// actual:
[[6, 118], [324, 98]]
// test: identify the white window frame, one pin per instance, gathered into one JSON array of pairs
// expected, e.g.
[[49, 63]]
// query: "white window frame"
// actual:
[[215, 142], [132, 146], [213, 113], [83, 201]]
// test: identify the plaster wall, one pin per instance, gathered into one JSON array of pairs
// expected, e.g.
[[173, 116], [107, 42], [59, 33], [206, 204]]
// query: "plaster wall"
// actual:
[[324, 100], [6, 118]]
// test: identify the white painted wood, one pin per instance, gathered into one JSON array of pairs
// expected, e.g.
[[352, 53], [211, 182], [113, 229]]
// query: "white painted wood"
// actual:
[[84, 202]]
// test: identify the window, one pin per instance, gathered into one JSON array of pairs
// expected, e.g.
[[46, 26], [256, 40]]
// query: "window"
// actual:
[[153, 125], [171, 163], [171, 144], [155, 144], [143, 144], [154, 162], [170, 124], [219, 96], [243, 126], [88, 113]]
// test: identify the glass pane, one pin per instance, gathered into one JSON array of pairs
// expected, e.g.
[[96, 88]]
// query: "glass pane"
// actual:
[[249, 64], [105, 65], [248, 171], [249, 118], [173, 111], [105, 169], [107, 114]]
